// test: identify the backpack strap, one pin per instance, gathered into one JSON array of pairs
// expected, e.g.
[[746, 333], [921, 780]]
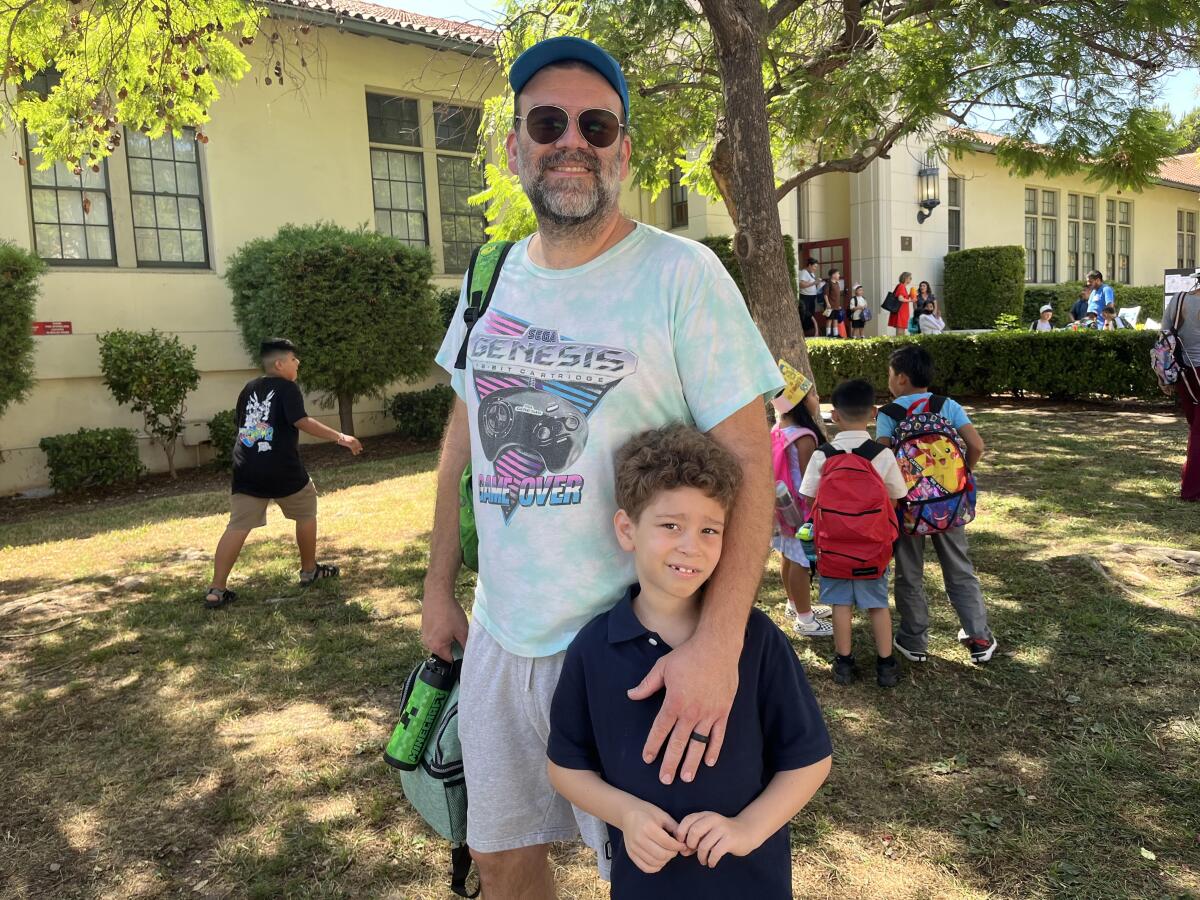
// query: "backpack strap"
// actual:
[[868, 450], [895, 411], [935, 404], [830, 451], [460, 868], [482, 276]]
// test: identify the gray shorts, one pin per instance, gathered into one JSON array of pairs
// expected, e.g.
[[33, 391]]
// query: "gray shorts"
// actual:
[[504, 723]]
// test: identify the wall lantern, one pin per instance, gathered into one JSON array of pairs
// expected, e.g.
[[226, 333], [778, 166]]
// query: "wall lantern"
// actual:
[[927, 189]]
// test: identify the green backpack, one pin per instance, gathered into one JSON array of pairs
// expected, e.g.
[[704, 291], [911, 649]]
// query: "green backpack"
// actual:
[[482, 276]]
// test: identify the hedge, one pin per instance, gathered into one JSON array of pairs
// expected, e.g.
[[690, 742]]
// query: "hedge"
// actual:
[[982, 284], [92, 457], [19, 274], [1062, 365], [222, 432], [1063, 296], [422, 415], [722, 245]]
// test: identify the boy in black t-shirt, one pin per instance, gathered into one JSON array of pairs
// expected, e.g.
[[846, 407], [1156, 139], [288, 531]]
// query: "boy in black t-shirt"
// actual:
[[267, 466]]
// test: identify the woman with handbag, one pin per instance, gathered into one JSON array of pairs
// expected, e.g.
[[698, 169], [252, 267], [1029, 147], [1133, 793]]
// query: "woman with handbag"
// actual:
[[1184, 312], [898, 320]]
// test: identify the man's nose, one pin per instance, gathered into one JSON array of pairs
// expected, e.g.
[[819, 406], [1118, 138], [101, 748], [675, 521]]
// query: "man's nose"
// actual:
[[572, 138]]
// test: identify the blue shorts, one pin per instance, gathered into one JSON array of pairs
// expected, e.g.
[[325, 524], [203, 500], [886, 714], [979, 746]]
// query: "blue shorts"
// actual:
[[865, 593], [792, 550]]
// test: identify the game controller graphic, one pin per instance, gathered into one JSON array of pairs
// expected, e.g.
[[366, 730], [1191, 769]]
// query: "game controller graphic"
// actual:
[[536, 422]]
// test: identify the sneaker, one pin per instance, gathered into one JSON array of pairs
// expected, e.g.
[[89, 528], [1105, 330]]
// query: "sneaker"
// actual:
[[814, 629], [981, 649], [845, 671], [917, 656], [887, 674], [821, 611]]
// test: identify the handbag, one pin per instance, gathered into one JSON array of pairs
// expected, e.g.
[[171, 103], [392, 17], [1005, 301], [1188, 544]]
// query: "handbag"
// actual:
[[891, 303]]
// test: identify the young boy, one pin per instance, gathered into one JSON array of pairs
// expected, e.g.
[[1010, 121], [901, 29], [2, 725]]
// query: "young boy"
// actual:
[[723, 834], [910, 371], [267, 466], [858, 311], [853, 406]]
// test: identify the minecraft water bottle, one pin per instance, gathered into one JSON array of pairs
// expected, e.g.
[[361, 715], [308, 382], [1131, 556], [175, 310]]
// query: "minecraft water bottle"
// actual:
[[805, 536], [786, 506], [420, 714]]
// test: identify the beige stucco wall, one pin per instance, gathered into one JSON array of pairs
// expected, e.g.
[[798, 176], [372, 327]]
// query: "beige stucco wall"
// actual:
[[994, 214], [275, 156]]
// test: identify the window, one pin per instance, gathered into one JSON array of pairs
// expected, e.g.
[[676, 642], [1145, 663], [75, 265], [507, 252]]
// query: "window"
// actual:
[[678, 199], [1041, 235], [954, 197], [1081, 235], [462, 224], [168, 209], [393, 120], [456, 127], [398, 184], [1185, 239], [1118, 235], [72, 220]]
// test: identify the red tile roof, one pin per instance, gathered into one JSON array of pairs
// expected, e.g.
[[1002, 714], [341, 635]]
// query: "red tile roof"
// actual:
[[1179, 171], [400, 19]]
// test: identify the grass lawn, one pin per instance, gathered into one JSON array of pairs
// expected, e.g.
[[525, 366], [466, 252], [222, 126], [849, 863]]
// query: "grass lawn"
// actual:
[[151, 748]]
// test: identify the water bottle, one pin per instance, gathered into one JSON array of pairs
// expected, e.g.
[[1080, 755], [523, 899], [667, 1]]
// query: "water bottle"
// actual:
[[805, 536], [420, 714], [786, 506]]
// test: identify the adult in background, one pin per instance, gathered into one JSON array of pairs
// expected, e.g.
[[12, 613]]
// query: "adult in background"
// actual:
[[539, 416], [929, 321], [808, 280], [1187, 389], [1100, 294], [1079, 308], [267, 466], [898, 321]]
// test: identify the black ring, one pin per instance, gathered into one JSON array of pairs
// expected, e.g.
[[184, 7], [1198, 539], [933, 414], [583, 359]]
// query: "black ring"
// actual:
[[702, 738]]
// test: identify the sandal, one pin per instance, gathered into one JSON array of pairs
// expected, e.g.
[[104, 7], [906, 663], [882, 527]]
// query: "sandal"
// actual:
[[216, 598], [321, 571]]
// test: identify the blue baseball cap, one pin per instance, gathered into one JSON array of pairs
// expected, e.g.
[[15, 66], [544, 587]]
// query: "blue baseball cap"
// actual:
[[560, 49]]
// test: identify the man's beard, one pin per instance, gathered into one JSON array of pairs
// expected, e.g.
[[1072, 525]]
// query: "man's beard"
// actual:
[[576, 206]]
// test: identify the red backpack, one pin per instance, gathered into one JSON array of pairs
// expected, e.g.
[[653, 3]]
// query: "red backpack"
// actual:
[[854, 519]]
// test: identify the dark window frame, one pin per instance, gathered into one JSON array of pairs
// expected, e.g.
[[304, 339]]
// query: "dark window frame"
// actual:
[[955, 188], [677, 194], [424, 211], [30, 187], [446, 266], [403, 126], [206, 264]]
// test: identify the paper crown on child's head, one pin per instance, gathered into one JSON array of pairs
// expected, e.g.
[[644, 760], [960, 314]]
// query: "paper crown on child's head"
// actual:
[[796, 386]]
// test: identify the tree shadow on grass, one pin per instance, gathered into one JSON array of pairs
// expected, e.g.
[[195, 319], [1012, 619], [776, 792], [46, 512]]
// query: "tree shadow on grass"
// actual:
[[158, 746]]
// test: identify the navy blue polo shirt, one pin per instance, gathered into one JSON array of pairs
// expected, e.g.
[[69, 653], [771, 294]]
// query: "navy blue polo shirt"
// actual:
[[775, 725]]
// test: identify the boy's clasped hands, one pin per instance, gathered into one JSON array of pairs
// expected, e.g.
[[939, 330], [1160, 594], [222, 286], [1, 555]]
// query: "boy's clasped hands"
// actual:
[[653, 839]]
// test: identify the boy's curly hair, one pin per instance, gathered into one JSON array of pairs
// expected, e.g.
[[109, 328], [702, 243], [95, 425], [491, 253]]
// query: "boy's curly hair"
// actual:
[[674, 456]]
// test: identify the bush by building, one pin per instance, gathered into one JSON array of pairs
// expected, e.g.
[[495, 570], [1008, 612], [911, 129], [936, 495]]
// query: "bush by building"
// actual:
[[422, 415], [982, 284], [1063, 296], [19, 273], [222, 432], [1062, 365], [92, 457]]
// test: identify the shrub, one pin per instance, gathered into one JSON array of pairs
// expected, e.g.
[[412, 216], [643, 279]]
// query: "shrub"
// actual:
[[1063, 296], [222, 432], [92, 457], [359, 305], [422, 415], [153, 374], [982, 284], [1063, 365], [722, 245], [447, 304], [19, 273]]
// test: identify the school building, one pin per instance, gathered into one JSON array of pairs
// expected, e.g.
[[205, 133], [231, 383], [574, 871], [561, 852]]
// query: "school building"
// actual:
[[383, 133]]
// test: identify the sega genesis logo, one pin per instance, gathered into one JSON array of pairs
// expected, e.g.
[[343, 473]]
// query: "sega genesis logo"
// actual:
[[490, 352]]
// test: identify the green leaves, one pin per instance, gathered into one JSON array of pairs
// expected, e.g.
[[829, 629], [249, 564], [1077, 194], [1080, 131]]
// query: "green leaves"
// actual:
[[19, 274]]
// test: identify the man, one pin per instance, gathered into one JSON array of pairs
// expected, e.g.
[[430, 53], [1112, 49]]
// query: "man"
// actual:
[[598, 328], [267, 466], [809, 282], [1100, 294], [1079, 309]]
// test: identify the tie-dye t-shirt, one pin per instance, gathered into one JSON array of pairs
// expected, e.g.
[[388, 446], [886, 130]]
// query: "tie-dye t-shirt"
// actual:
[[563, 368]]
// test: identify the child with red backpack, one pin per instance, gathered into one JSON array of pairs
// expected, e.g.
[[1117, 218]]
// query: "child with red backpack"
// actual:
[[937, 449], [853, 484], [796, 434]]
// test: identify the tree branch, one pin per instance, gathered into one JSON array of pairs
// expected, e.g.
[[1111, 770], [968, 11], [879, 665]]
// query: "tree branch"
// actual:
[[780, 11], [871, 151]]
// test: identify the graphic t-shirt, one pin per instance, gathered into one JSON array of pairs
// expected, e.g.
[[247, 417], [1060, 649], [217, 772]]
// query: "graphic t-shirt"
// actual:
[[563, 368], [266, 455]]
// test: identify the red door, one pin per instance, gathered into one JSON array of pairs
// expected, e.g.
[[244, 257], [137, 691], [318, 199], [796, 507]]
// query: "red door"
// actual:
[[830, 255]]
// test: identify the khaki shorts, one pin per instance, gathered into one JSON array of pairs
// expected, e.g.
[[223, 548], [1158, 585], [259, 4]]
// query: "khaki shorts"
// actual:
[[246, 512]]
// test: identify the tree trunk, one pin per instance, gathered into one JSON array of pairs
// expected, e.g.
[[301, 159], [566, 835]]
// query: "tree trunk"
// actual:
[[345, 401], [169, 449], [737, 27]]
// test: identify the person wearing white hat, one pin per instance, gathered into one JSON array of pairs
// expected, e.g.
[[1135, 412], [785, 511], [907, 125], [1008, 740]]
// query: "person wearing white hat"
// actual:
[[1042, 323]]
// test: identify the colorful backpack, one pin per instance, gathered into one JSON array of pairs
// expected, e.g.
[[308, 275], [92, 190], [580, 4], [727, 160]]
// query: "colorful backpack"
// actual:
[[781, 439], [854, 520], [1167, 353], [482, 276], [933, 461]]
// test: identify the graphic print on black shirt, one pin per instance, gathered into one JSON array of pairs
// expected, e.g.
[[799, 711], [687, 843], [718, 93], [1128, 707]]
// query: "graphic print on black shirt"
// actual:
[[536, 391], [266, 456]]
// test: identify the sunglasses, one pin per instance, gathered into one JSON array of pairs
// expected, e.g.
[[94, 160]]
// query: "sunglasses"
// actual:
[[546, 124]]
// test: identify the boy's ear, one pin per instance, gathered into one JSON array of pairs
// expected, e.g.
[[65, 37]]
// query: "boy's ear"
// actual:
[[624, 527], [836, 416]]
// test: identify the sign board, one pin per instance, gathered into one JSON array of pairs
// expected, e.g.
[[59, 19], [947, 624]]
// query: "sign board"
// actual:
[[52, 328]]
